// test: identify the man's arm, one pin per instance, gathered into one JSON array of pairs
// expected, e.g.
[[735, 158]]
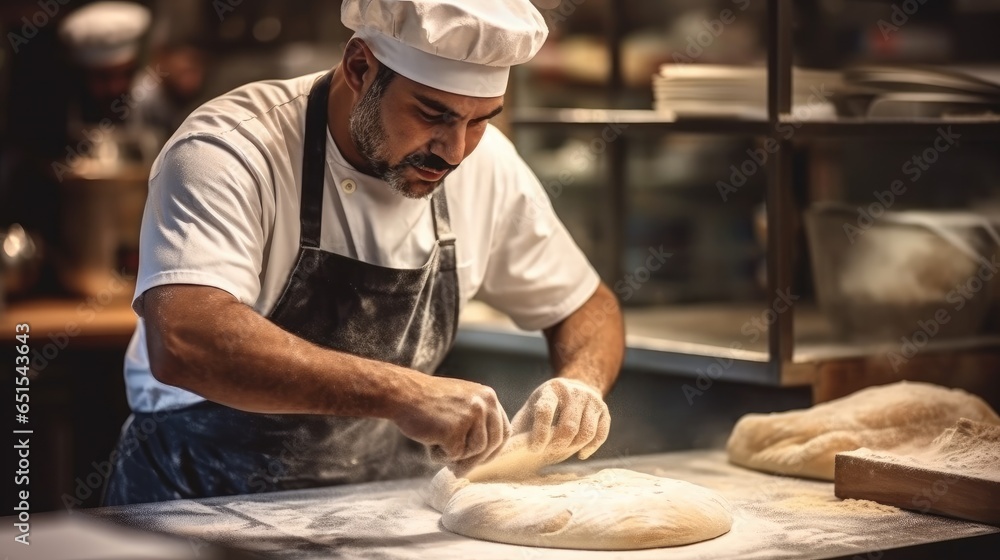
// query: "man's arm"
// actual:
[[205, 341], [589, 344]]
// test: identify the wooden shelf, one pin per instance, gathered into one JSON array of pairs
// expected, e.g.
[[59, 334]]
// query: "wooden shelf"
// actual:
[[86, 323]]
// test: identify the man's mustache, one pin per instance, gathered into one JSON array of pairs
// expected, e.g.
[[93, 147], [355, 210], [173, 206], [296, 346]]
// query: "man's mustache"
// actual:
[[428, 161]]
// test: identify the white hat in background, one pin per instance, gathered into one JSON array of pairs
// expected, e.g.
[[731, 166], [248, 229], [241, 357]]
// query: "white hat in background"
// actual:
[[460, 46], [105, 33]]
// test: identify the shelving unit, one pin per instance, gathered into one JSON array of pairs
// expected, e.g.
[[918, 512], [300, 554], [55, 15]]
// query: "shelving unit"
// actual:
[[637, 118], [799, 347], [982, 128], [646, 119], [783, 209]]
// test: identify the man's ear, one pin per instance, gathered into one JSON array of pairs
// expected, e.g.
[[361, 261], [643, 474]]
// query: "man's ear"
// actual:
[[360, 66]]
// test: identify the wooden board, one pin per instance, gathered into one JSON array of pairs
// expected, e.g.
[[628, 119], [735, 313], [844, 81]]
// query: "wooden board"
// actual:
[[918, 489]]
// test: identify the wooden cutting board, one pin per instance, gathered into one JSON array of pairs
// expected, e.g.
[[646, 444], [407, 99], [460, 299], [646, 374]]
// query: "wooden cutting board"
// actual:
[[920, 489]]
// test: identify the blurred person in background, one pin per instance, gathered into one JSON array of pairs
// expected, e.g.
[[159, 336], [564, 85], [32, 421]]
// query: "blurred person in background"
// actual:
[[106, 43], [163, 108]]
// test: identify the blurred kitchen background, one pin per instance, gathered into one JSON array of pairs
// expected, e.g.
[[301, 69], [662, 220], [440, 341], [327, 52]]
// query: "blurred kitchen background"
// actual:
[[648, 124]]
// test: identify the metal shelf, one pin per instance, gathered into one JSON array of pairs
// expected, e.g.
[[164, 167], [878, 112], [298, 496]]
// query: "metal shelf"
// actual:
[[644, 119], [985, 127], [688, 340], [669, 347]]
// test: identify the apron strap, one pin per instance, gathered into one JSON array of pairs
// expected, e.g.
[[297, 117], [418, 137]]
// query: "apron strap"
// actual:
[[314, 175], [314, 163], [442, 229]]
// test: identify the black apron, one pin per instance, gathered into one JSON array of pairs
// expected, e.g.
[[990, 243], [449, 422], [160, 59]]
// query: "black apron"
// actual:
[[407, 317]]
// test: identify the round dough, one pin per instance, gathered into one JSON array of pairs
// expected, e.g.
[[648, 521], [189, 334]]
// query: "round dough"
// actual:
[[901, 417], [613, 509]]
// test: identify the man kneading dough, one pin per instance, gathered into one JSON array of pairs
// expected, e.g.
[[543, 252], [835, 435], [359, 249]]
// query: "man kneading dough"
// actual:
[[306, 248]]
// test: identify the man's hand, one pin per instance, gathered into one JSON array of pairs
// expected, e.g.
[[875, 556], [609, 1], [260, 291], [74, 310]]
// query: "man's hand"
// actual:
[[564, 416], [462, 422]]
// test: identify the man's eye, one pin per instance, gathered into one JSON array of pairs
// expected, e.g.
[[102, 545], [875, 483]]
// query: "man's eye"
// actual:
[[430, 117]]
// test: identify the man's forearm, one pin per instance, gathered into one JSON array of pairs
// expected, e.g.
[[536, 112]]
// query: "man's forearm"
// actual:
[[226, 352], [589, 344]]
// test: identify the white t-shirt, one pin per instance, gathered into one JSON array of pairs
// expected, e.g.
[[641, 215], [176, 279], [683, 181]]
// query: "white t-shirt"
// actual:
[[223, 211]]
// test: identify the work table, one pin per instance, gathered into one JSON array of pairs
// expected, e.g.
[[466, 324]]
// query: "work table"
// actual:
[[774, 517]]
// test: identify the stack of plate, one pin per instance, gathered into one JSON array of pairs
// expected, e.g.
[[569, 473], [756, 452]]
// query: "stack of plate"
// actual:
[[711, 90], [924, 91]]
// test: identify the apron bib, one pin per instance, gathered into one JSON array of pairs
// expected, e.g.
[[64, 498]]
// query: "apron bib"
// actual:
[[407, 317]]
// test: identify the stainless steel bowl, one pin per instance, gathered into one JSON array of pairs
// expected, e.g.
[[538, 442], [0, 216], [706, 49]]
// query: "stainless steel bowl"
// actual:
[[20, 261], [889, 276]]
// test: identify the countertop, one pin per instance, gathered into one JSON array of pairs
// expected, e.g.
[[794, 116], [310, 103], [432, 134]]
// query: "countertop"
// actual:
[[774, 517]]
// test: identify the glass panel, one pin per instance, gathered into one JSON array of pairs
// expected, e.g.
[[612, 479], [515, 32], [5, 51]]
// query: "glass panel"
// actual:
[[900, 252], [575, 175], [685, 257]]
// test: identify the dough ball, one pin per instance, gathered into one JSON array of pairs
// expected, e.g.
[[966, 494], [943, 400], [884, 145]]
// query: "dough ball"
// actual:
[[902, 417], [614, 509]]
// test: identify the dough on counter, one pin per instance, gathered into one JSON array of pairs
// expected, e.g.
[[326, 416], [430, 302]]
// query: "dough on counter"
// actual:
[[613, 509], [902, 417]]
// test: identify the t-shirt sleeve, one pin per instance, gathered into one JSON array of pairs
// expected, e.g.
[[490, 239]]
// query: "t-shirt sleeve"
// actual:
[[536, 273], [202, 222]]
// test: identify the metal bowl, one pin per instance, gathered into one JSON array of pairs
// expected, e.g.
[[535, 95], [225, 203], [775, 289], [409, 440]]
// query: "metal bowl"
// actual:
[[20, 260], [889, 276]]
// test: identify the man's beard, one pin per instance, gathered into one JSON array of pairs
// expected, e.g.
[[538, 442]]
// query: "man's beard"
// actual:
[[368, 134]]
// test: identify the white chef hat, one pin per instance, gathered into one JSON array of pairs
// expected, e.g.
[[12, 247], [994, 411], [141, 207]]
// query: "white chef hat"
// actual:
[[105, 33], [460, 46]]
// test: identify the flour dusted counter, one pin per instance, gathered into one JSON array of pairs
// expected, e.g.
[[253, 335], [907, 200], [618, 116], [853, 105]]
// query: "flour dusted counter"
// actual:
[[774, 517]]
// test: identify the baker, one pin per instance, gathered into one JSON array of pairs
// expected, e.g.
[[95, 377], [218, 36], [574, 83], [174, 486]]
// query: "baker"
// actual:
[[105, 41], [307, 246]]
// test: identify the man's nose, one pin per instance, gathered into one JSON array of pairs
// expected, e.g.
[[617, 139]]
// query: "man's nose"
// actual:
[[451, 145]]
